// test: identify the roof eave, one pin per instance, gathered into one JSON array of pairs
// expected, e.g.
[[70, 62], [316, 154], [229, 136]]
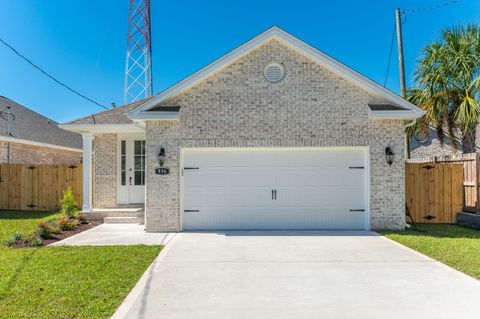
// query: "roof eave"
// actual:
[[103, 128], [395, 115], [295, 43], [154, 115]]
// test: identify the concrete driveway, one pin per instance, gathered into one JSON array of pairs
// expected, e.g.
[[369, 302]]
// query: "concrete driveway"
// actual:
[[304, 274], [116, 234]]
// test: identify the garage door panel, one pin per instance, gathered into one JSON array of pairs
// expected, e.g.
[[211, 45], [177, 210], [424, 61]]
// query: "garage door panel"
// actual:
[[312, 177], [315, 189], [227, 197], [238, 218], [321, 196], [229, 176]]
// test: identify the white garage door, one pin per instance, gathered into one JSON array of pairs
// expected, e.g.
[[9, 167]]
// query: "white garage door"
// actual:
[[274, 189]]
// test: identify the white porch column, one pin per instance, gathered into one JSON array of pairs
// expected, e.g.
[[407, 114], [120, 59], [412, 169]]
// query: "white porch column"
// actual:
[[87, 172]]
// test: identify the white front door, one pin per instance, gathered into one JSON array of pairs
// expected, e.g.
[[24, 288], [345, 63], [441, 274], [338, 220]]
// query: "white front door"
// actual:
[[131, 169], [275, 189]]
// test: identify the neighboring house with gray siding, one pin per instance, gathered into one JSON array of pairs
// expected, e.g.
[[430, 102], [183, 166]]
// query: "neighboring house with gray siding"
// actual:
[[27, 137], [273, 135]]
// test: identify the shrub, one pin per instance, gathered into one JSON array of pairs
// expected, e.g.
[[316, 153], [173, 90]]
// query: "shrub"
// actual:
[[82, 218], [68, 205], [66, 223], [45, 230], [35, 241], [13, 239]]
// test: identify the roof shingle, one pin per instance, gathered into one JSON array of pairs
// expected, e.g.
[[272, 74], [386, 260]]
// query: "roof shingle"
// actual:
[[32, 126], [117, 115]]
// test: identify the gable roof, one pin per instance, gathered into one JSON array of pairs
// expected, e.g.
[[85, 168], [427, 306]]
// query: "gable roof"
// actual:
[[294, 43], [116, 115], [31, 126]]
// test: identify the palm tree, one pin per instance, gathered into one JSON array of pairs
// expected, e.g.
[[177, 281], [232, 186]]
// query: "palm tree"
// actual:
[[448, 87]]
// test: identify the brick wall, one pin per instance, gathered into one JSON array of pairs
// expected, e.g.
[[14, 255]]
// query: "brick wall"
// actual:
[[310, 107], [16, 153], [105, 170]]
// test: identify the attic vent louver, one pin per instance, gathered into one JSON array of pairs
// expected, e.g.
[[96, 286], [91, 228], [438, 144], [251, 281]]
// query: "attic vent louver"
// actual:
[[274, 73]]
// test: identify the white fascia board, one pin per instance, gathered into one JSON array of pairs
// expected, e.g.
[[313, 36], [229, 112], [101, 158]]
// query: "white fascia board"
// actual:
[[299, 46], [9, 139], [154, 115], [393, 115], [103, 128]]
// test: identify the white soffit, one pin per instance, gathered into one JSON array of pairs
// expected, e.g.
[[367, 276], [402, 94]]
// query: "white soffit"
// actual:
[[103, 128]]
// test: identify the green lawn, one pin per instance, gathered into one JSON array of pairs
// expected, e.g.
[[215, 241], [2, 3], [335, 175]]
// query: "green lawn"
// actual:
[[65, 282], [12, 221], [456, 246]]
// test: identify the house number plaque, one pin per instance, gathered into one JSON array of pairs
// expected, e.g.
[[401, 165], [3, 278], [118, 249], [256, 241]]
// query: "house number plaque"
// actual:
[[162, 171]]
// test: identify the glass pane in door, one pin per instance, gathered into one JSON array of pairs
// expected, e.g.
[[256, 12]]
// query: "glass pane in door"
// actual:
[[123, 162], [139, 162]]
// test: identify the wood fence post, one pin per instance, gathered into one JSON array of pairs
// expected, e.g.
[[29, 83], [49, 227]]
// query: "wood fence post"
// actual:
[[477, 179]]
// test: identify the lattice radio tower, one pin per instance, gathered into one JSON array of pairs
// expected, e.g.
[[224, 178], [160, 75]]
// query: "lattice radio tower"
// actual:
[[138, 67]]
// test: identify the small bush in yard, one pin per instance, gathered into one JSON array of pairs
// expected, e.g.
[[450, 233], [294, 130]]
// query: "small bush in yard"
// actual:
[[46, 230], [13, 239], [68, 204], [66, 223], [35, 241], [81, 218]]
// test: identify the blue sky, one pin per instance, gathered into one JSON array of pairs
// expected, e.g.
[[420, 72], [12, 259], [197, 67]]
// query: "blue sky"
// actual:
[[83, 42]]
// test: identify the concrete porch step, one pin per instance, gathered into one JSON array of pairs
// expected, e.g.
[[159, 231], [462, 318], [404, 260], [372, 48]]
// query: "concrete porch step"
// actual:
[[123, 220], [102, 213]]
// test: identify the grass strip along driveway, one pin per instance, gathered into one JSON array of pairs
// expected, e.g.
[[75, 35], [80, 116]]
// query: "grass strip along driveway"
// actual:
[[65, 282], [456, 246]]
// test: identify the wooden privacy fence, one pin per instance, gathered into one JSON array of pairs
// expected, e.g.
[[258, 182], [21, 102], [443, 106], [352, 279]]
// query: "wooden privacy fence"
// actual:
[[38, 187], [436, 189]]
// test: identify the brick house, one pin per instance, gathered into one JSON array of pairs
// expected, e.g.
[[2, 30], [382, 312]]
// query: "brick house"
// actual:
[[27, 137], [273, 135]]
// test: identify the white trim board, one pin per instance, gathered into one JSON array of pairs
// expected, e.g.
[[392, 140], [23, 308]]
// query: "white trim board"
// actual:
[[392, 115], [103, 128], [294, 43], [39, 144]]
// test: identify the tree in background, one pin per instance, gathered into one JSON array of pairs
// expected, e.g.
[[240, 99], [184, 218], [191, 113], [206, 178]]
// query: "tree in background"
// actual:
[[448, 87]]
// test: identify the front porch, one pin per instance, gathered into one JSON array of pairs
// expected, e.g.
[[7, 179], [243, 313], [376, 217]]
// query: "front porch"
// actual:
[[123, 214], [114, 177]]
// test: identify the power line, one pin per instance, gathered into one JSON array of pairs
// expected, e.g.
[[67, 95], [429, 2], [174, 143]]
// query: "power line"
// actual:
[[390, 55], [438, 6], [51, 76]]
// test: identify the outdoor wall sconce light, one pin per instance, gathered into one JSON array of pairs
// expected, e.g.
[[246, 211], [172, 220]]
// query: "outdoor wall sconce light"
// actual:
[[389, 155], [161, 156]]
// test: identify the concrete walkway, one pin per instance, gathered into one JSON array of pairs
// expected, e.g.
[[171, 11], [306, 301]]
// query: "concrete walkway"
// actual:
[[116, 234], [309, 274]]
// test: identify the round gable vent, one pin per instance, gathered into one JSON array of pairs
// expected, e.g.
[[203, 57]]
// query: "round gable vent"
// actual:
[[274, 72]]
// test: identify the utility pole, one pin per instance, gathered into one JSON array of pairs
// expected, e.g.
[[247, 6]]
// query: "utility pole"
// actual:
[[401, 66], [401, 69]]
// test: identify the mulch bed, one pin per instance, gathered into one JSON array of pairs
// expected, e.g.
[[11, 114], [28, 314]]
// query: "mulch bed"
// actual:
[[68, 233], [64, 234]]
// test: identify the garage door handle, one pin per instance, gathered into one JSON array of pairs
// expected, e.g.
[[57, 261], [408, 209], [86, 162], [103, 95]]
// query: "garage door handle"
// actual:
[[356, 167], [191, 168], [274, 194], [191, 210], [357, 210]]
